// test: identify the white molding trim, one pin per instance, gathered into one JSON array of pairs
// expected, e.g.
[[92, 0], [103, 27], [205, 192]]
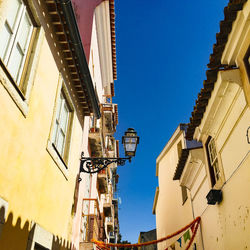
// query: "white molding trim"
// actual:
[[226, 88], [57, 160], [192, 167], [8, 85], [176, 135], [40, 236], [31, 73], [102, 18], [237, 36], [155, 199], [3, 212]]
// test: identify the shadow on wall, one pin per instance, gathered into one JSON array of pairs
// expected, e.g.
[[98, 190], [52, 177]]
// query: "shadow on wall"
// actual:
[[18, 235]]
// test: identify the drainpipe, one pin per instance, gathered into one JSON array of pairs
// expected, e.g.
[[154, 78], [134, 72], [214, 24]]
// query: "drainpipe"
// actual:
[[75, 40]]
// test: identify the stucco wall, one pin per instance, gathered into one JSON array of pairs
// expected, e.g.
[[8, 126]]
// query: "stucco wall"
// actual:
[[171, 214], [227, 225], [31, 182]]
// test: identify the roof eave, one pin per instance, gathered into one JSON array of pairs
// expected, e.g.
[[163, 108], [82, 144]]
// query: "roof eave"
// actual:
[[75, 41]]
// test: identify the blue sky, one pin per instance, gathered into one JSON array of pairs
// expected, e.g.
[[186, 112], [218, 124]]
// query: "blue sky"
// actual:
[[163, 48]]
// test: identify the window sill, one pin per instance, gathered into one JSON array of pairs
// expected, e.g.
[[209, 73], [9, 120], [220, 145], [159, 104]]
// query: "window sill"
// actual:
[[57, 159], [16, 96], [9, 84]]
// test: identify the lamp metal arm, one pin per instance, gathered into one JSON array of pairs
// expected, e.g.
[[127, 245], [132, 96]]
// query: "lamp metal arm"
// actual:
[[93, 165]]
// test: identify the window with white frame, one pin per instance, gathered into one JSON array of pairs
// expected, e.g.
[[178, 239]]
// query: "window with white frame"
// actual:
[[213, 162], [61, 129], [15, 39]]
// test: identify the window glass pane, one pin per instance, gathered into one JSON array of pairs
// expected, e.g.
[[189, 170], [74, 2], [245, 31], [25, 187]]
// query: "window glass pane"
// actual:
[[24, 34], [15, 6], [55, 131], [14, 64], [130, 140], [59, 106], [212, 151], [216, 170], [130, 147], [5, 39], [60, 142], [64, 117], [59, 135]]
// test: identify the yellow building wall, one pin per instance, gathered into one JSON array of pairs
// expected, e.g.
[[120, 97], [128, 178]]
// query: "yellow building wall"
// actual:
[[30, 181]]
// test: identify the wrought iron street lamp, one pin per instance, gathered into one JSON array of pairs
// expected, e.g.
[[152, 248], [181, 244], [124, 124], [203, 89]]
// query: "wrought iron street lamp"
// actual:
[[95, 164]]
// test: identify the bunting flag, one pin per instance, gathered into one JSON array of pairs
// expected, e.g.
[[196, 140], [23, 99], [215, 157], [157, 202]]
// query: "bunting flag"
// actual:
[[186, 236], [179, 240], [173, 246]]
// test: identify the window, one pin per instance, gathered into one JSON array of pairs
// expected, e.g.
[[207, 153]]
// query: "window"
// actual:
[[58, 145], [15, 39], [61, 130], [213, 162]]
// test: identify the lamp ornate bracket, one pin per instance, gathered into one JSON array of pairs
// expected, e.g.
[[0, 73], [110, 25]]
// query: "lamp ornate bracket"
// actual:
[[94, 165]]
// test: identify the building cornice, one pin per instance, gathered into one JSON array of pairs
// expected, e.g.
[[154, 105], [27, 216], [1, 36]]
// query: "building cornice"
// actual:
[[215, 65]]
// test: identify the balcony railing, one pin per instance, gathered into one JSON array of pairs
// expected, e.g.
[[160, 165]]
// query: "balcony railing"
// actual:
[[109, 117], [102, 181], [91, 220], [107, 206], [110, 224]]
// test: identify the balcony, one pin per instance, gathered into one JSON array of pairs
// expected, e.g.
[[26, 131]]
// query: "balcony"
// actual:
[[112, 237], [95, 142], [109, 117], [115, 204], [102, 183], [90, 220], [110, 224], [111, 146], [107, 206]]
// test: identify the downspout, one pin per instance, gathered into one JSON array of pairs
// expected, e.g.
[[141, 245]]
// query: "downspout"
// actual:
[[75, 40]]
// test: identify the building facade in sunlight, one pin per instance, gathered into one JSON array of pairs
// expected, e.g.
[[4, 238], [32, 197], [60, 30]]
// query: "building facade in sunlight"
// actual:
[[216, 173], [97, 207], [172, 204], [56, 94]]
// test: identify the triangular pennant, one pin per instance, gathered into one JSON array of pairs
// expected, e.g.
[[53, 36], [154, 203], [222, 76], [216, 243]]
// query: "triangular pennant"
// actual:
[[179, 240], [173, 246], [186, 236]]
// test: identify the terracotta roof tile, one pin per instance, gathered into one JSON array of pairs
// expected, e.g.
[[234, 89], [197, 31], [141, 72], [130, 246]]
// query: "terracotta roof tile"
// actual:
[[113, 39], [214, 65]]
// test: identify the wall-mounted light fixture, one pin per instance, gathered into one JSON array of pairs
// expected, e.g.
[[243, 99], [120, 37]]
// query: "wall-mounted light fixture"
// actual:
[[95, 164], [214, 196]]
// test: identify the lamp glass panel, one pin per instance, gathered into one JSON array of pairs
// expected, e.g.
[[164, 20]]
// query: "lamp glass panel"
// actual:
[[130, 144]]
